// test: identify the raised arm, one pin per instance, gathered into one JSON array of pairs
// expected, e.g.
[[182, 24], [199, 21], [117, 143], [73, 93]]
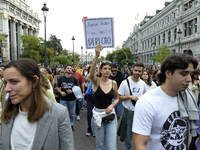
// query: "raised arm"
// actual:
[[93, 77]]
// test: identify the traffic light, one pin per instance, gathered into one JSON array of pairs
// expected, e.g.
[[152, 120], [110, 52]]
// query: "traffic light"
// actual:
[[127, 62]]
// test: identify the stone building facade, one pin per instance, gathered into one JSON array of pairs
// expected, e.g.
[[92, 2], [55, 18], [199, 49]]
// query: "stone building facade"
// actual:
[[16, 19], [162, 28]]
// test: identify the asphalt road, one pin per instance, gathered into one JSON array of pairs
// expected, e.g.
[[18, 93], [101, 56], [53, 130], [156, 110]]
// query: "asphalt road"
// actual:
[[81, 141]]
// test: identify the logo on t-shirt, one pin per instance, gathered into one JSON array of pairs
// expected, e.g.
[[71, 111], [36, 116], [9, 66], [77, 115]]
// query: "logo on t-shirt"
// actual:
[[136, 90], [67, 85], [173, 134]]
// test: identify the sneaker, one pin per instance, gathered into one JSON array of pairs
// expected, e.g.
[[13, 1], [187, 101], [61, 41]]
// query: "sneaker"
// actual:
[[78, 118], [88, 134], [93, 135], [72, 128], [82, 108]]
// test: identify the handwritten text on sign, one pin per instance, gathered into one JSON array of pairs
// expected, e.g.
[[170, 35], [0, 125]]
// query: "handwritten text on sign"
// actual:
[[99, 31]]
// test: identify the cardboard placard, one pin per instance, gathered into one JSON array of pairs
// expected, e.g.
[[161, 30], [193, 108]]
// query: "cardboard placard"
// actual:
[[99, 31]]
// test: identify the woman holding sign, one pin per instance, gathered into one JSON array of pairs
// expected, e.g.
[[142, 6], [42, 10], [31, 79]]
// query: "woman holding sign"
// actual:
[[104, 117]]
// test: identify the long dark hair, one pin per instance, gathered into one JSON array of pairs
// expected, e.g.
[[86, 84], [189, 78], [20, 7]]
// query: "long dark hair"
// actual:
[[28, 68], [148, 79]]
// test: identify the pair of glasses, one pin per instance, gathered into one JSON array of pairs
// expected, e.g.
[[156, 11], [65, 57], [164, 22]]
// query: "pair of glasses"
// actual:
[[113, 70]]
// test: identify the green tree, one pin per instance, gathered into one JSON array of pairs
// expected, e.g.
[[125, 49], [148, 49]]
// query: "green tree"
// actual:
[[101, 58], [162, 53], [55, 43], [121, 57], [65, 58], [34, 48], [111, 56], [1, 40]]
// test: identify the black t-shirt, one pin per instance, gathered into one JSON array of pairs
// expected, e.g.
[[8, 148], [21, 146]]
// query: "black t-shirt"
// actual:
[[118, 78], [67, 83]]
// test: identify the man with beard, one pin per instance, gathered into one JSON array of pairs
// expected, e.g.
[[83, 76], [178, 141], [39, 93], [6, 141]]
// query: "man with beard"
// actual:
[[81, 82], [164, 115], [130, 90], [68, 98], [118, 77]]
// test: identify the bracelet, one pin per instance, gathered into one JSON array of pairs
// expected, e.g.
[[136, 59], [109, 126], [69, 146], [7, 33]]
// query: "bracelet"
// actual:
[[114, 104]]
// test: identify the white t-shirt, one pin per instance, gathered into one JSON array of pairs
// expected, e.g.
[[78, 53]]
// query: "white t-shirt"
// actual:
[[137, 89], [23, 132], [157, 115], [153, 86]]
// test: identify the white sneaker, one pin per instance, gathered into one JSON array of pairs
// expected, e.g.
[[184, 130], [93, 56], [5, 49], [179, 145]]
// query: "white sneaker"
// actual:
[[78, 118], [88, 134]]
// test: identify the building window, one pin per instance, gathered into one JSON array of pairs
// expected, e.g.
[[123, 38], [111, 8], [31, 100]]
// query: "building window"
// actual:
[[174, 15], [195, 25], [191, 27], [186, 7], [175, 34], [148, 44], [164, 38], [185, 29], [169, 36], [155, 41], [159, 40], [191, 4]]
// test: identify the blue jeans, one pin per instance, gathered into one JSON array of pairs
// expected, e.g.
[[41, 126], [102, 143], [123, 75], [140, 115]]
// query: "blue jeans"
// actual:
[[71, 105], [78, 107], [90, 106], [119, 109], [128, 138], [108, 129]]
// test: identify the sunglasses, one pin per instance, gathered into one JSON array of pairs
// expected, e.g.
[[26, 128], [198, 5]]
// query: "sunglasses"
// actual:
[[113, 70]]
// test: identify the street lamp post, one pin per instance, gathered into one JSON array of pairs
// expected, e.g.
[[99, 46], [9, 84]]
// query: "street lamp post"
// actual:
[[154, 45], [73, 49], [45, 9], [179, 33]]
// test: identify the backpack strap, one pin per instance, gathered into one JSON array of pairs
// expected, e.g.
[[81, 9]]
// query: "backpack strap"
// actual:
[[133, 102]]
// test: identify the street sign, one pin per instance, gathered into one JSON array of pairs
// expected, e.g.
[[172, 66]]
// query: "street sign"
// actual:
[[198, 58]]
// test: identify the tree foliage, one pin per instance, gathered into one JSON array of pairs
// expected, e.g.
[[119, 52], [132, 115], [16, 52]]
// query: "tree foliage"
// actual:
[[55, 44], [101, 59], [65, 58], [120, 57], [34, 48], [1, 40], [162, 53]]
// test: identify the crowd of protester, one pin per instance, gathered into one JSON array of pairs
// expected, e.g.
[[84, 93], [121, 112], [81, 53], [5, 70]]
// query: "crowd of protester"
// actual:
[[143, 105]]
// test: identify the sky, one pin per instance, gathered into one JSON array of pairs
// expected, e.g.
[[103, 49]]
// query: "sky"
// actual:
[[64, 18]]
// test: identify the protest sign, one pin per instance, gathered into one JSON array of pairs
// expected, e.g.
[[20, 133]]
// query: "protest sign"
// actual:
[[99, 31]]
